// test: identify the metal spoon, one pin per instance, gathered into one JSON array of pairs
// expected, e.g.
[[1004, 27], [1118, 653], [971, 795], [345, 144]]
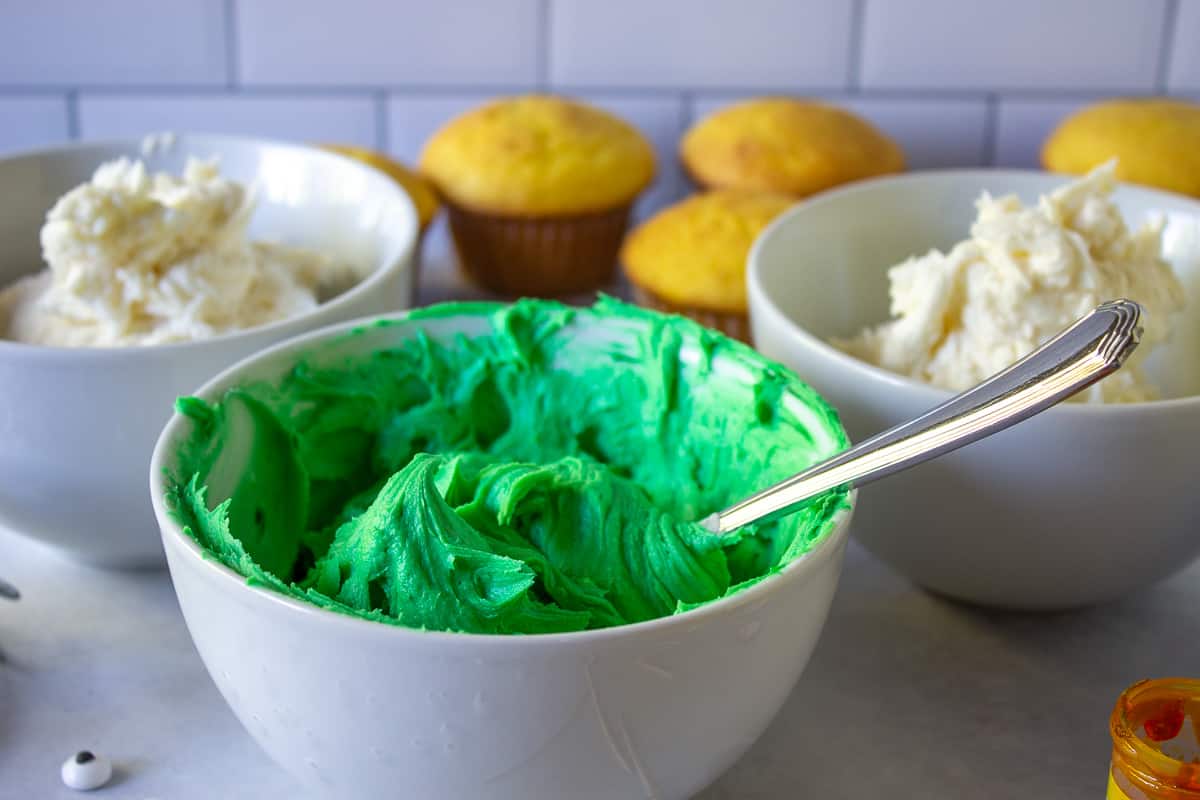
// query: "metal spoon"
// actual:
[[1093, 348]]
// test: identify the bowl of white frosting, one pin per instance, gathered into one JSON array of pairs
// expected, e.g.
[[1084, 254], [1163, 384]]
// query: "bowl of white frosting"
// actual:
[[131, 271], [891, 295]]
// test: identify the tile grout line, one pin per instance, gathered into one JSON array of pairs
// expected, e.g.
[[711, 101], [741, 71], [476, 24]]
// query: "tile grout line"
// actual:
[[382, 134], [686, 100], [542, 77], [1166, 50], [687, 118], [72, 100], [987, 155], [195, 91], [232, 67], [418, 89], [858, 10]]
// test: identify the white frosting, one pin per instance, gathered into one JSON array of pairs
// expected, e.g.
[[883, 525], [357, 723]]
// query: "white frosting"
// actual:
[[1024, 275], [138, 259]]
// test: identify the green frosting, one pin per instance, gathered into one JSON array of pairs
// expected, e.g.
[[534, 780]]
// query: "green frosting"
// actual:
[[527, 479]]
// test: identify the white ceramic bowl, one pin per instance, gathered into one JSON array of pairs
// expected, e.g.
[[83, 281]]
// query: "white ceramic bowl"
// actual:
[[77, 426], [361, 709], [1078, 505]]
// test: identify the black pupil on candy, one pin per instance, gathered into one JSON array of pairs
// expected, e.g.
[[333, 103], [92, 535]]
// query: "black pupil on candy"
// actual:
[[84, 757]]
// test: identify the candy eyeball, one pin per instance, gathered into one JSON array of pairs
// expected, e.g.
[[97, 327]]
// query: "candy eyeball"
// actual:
[[85, 771]]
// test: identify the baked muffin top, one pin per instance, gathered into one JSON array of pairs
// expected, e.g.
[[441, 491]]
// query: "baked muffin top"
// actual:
[[694, 252], [781, 144], [1156, 142], [538, 155]]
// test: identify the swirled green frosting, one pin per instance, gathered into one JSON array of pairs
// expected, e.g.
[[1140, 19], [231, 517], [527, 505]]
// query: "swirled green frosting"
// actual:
[[542, 474]]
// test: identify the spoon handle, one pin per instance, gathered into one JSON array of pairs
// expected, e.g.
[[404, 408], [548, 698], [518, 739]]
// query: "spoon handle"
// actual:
[[1091, 349]]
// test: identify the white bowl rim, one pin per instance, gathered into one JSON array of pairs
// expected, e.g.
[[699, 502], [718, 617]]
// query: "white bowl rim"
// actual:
[[399, 259], [174, 537], [865, 371]]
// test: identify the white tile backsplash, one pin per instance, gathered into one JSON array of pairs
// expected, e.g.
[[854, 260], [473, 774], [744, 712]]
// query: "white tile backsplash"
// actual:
[[1022, 126], [1023, 44], [388, 72], [98, 42], [933, 133], [1184, 71], [714, 44], [348, 119], [356, 42], [413, 118], [27, 122]]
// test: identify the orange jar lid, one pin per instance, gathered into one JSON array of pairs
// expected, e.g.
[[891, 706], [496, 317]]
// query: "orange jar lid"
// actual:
[[1156, 741]]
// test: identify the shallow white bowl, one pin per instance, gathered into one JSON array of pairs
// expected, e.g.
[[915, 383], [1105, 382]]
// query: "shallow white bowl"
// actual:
[[361, 709], [1078, 505], [77, 425]]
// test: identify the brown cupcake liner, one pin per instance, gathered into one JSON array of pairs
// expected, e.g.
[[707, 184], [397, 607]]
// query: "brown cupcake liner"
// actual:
[[729, 323], [538, 256]]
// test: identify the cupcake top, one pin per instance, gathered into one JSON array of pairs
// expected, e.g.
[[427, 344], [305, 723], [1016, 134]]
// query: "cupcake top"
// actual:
[[780, 144], [694, 252], [422, 194], [538, 155], [1156, 142]]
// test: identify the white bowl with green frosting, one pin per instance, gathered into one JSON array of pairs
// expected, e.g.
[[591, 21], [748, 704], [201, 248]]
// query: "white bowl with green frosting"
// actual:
[[453, 551], [77, 425]]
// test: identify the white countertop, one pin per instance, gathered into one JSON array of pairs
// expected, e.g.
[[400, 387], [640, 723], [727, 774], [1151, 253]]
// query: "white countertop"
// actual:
[[907, 695]]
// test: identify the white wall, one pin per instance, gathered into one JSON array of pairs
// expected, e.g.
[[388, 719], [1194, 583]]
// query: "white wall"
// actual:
[[958, 82]]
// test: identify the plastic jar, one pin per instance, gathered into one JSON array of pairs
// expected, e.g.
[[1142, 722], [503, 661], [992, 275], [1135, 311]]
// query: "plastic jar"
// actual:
[[1156, 741]]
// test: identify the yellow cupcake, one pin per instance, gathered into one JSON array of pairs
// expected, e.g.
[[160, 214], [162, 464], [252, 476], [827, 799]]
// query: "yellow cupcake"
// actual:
[[1156, 142], [538, 155], [780, 144], [538, 189], [419, 189], [690, 258]]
